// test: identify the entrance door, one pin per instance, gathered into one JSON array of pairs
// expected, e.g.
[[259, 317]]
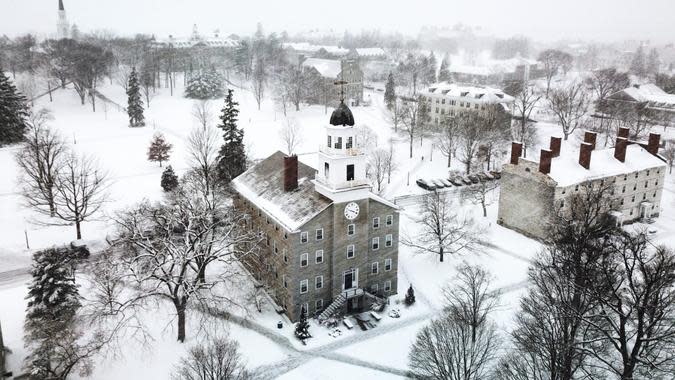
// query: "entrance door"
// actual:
[[350, 172], [349, 280]]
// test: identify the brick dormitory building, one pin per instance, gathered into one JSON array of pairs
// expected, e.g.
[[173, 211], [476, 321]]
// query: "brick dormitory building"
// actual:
[[329, 245], [533, 193]]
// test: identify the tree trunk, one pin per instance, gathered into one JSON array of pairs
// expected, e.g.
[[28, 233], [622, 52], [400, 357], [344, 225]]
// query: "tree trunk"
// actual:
[[49, 89], [449, 159], [180, 311], [78, 229], [440, 254], [484, 209], [411, 146]]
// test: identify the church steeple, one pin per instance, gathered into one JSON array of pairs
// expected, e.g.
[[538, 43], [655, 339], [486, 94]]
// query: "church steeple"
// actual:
[[61, 8], [62, 26]]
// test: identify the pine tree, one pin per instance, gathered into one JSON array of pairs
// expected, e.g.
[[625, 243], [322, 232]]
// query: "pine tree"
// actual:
[[13, 112], [653, 63], [169, 179], [135, 102], [53, 303], [207, 84], [410, 296], [159, 150], [430, 69], [232, 155], [638, 64], [390, 92], [302, 327], [444, 72]]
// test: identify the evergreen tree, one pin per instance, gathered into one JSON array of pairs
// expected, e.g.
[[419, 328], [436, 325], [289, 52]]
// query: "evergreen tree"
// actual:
[[302, 327], [135, 102], [169, 179], [159, 149], [207, 84], [653, 63], [53, 302], [232, 155], [444, 72], [638, 64], [390, 92], [410, 296], [13, 112], [430, 69]]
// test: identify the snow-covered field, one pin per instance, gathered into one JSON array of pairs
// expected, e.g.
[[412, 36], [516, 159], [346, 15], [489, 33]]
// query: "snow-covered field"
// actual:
[[376, 354]]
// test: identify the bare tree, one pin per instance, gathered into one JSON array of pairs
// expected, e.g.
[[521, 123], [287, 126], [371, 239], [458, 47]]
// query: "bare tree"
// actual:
[[291, 135], [409, 121], [396, 114], [390, 164], [170, 245], [636, 309], [203, 145], [525, 102], [462, 344], [442, 230], [554, 61], [446, 140], [258, 81], [296, 81], [80, 191], [377, 167], [41, 159], [569, 104], [669, 154], [605, 82], [481, 193], [202, 111], [122, 76], [217, 359]]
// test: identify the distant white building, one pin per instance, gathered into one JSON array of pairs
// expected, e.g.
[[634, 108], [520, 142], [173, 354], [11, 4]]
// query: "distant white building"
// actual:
[[533, 193], [62, 26], [309, 49], [333, 70], [196, 40], [649, 95], [447, 99]]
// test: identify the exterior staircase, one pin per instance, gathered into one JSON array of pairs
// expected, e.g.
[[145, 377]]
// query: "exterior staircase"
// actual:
[[337, 303]]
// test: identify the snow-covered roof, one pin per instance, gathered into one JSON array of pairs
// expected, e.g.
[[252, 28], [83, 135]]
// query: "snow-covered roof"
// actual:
[[650, 93], [308, 47], [190, 42], [483, 93], [329, 68], [263, 186], [468, 69], [566, 170], [370, 52]]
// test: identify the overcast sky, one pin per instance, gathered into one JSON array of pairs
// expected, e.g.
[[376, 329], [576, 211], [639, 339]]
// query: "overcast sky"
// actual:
[[601, 20]]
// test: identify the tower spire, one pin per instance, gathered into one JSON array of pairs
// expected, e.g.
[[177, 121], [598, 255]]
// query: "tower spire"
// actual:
[[61, 8], [342, 84]]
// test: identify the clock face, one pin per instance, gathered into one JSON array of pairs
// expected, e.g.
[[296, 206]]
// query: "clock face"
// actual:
[[351, 211]]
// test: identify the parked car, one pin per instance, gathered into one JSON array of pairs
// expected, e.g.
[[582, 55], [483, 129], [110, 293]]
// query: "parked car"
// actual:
[[456, 180], [466, 180], [496, 174], [445, 182], [488, 175], [473, 178], [425, 185], [438, 183]]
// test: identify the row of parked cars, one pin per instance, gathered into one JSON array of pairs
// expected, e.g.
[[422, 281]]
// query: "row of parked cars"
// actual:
[[456, 180]]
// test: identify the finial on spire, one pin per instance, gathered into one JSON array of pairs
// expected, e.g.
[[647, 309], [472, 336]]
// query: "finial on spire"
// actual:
[[342, 84], [61, 5]]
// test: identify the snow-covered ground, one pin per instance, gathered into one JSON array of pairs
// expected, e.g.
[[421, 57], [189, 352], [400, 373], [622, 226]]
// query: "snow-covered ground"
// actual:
[[374, 354]]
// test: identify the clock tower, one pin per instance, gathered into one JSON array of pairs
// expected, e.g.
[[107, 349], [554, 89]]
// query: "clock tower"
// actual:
[[341, 170]]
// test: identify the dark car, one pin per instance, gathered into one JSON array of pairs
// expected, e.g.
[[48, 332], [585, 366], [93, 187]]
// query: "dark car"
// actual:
[[466, 180], [425, 185], [496, 174], [457, 181], [473, 178], [482, 177], [445, 182]]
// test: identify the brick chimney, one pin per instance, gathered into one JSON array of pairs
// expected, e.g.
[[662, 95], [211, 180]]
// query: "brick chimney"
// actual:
[[585, 152], [623, 132], [516, 152], [590, 137], [290, 173], [554, 147], [620, 149], [653, 143], [545, 161]]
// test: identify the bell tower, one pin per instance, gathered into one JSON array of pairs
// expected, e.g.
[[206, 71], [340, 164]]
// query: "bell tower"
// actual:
[[62, 23], [341, 170]]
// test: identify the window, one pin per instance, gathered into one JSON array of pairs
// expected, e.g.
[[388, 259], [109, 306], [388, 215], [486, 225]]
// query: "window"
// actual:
[[326, 170], [636, 174], [562, 203], [304, 258], [285, 255], [285, 235], [390, 220], [374, 288], [267, 240], [350, 251], [305, 308], [443, 101], [274, 244], [376, 222], [350, 142], [318, 282], [351, 229], [330, 141], [376, 243], [624, 189], [387, 286], [387, 265], [283, 279], [633, 199], [319, 234], [318, 305], [350, 172], [319, 256], [576, 188], [304, 236], [374, 268], [303, 286], [338, 143], [646, 183], [388, 238]]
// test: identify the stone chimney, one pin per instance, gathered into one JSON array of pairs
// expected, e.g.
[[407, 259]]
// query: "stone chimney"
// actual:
[[620, 149], [653, 143], [590, 137], [545, 161], [555, 146], [290, 173], [585, 152], [516, 152], [623, 132]]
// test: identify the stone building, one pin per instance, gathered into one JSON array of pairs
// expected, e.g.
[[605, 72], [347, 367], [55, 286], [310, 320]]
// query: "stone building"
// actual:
[[533, 193], [332, 71], [329, 244], [650, 101], [447, 99]]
